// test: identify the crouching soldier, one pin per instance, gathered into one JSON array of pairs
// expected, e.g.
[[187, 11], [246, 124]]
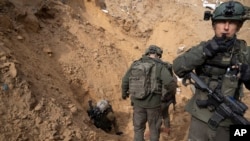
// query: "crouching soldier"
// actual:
[[102, 115]]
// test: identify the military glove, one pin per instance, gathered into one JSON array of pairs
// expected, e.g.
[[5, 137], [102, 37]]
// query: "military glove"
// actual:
[[245, 72], [210, 48]]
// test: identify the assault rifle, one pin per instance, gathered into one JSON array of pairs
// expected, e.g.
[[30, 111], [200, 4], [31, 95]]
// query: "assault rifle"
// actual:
[[223, 106]]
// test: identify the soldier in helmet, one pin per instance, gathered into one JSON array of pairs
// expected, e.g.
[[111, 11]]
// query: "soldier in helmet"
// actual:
[[148, 82], [223, 63], [103, 116]]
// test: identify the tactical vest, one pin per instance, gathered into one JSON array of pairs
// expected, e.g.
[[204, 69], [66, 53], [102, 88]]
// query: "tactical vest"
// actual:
[[217, 74]]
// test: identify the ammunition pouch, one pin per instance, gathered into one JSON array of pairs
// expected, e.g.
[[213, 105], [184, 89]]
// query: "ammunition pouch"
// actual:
[[229, 85]]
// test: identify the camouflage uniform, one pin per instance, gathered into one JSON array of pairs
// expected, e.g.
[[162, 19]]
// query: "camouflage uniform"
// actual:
[[211, 61], [103, 119], [149, 109]]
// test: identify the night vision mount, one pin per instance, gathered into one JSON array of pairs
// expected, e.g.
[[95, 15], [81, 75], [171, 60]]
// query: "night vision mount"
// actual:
[[229, 11]]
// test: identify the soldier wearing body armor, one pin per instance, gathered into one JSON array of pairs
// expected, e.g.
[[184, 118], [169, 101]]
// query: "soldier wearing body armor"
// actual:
[[223, 63], [148, 82], [103, 117]]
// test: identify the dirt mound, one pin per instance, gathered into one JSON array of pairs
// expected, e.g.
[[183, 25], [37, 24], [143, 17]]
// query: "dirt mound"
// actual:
[[55, 55]]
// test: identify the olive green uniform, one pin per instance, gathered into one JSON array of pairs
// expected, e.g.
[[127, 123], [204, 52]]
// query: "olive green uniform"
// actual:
[[212, 71], [149, 109]]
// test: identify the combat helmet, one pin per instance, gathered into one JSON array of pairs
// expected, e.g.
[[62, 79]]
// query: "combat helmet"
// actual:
[[153, 49], [102, 105], [230, 10]]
